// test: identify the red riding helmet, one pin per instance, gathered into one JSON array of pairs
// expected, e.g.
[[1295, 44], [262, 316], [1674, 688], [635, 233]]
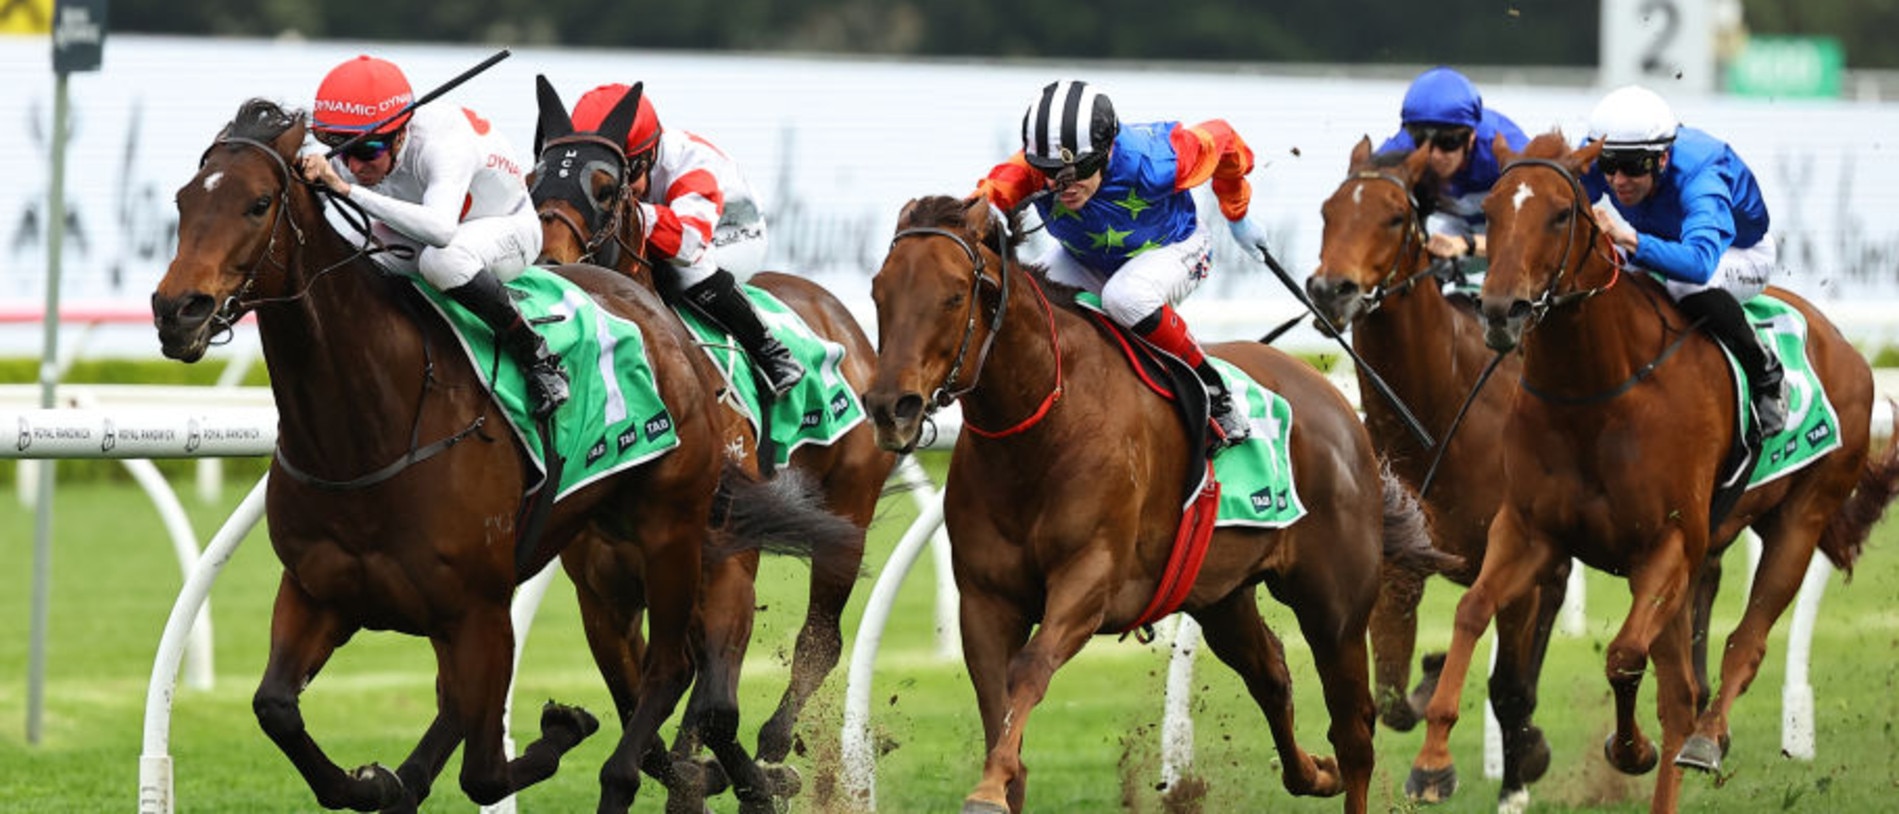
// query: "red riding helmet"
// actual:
[[592, 109], [360, 93]]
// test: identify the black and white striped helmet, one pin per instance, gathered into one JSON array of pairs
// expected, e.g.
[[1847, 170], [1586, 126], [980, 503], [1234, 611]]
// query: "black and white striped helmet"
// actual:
[[1070, 124]]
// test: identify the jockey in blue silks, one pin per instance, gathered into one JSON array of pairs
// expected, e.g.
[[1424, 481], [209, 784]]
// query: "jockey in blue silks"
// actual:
[[1444, 114]]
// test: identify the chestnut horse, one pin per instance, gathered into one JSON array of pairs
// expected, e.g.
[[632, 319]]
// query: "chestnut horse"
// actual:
[[1061, 525], [588, 215], [396, 497], [1611, 454]]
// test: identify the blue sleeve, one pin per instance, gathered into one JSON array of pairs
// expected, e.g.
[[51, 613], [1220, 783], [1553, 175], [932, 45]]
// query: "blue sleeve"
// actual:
[[1707, 230], [1400, 141]]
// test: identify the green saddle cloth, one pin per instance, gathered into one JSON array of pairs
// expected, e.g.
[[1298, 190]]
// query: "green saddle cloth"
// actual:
[[613, 418], [1813, 426], [818, 410], [1255, 475]]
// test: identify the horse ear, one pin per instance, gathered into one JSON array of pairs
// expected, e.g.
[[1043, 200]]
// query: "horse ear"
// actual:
[[1417, 165], [554, 122], [976, 215], [903, 215], [1361, 153], [1581, 160], [1500, 147], [619, 120]]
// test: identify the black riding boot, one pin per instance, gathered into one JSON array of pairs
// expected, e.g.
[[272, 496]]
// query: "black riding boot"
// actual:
[[1725, 321], [487, 298], [719, 297], [1222, 406]]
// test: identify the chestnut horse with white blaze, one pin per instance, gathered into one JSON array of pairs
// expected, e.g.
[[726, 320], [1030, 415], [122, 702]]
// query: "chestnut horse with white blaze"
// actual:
[[1611, 454]]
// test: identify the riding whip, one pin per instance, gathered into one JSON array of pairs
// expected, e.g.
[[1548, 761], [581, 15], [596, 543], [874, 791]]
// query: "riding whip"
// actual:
[[426, 98], [1325, 325]]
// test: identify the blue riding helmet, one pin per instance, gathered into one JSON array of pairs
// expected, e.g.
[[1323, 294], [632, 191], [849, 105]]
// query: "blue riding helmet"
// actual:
[[1444, 97]]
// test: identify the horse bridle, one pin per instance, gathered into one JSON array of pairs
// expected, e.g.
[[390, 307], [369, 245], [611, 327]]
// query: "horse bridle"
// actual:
[[224, 317], [352, 213], [1579, 212], [601, 238], [945, 393], [1413, 237]]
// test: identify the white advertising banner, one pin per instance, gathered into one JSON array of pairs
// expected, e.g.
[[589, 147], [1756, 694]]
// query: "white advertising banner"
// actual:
[[835, 147]]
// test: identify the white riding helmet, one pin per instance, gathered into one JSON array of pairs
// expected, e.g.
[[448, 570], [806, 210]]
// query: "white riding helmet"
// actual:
[[1633, 118]]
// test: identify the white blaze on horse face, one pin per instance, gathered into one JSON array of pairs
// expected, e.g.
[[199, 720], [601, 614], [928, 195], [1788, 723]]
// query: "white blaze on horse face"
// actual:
[[212, 181], [1524, 193], [1358, 195]]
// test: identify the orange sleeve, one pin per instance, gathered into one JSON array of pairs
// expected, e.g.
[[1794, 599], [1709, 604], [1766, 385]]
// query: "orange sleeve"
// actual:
[[1010, 182], [1212, 150]]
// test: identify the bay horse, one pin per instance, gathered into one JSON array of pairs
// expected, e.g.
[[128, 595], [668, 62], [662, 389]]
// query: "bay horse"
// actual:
[[1062, 524], [1621, 419], [396, 496], [582, 191]]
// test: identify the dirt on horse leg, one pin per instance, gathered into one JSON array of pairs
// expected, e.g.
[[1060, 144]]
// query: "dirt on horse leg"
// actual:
[[819, 647], [1394, 637]]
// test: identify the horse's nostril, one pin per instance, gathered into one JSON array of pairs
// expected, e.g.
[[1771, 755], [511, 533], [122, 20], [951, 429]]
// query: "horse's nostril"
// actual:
[[909, 407], [196, 308]]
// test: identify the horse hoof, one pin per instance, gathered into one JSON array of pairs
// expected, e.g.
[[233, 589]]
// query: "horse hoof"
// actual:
[[975, 806], [1702, 753], [566, 726], [1536, 759], [783, 779], [1636, 761], [385, 788], [712, 774], [1431, 785]]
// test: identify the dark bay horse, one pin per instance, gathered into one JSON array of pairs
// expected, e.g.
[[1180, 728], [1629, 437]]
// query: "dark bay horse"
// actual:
[[1622, 417], [581, 189], [396, 495], [1061, 525], [1376, 278]]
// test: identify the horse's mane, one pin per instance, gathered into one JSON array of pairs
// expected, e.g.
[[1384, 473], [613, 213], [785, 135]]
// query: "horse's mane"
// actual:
[[262, 120]]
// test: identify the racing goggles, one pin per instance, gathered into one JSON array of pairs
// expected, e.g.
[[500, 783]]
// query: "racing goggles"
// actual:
[[1447, 139], [1063, 173], [1631, 163], [369, 148]]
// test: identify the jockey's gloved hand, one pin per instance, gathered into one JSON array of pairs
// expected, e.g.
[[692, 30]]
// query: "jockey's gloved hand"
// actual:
[[1249, 234]]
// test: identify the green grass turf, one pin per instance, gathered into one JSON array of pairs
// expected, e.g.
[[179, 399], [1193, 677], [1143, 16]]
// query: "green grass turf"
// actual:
[[1092, 745]]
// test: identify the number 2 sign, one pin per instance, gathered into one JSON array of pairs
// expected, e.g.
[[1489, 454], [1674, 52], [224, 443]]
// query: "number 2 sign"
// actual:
[[1667, 45]]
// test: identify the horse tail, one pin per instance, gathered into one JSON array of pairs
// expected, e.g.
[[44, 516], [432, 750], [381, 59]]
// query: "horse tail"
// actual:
[[1409, 555], [1878, 483], [784, 514]]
